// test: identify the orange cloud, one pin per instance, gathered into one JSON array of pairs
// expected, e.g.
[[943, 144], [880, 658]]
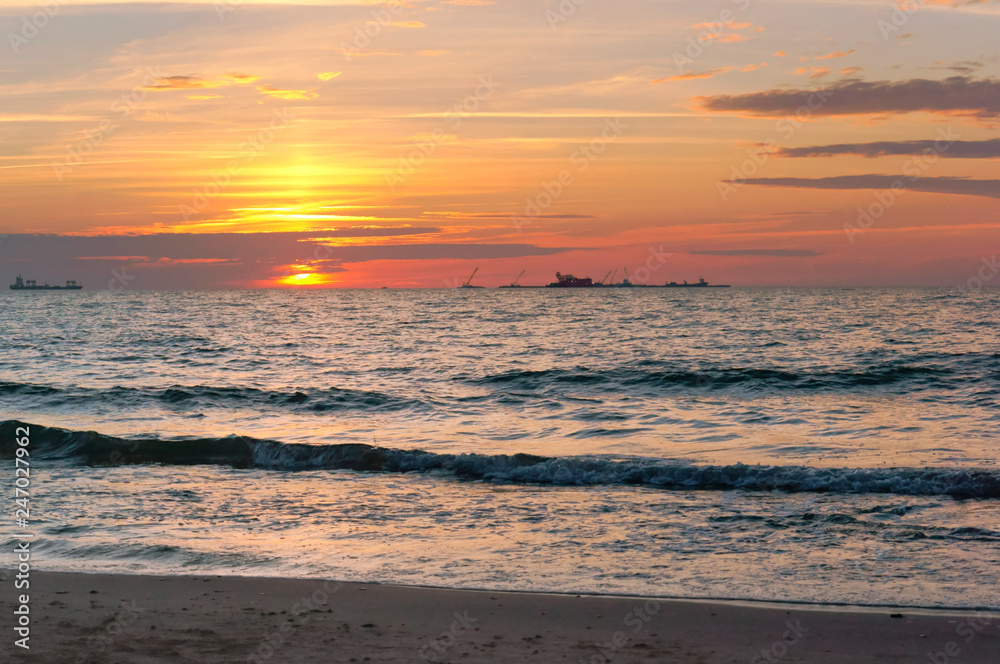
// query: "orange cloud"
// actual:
[[191, 82], [814, 72], [780, 54], [433, 54], [847, 71], [327, 75], [835, 54], [277, 93], [694, 75]]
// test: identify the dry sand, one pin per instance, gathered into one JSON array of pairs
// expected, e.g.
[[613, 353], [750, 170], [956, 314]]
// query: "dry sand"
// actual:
[[145, 619]]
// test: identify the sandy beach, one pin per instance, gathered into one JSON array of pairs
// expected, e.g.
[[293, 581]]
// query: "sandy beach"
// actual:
[[144, 619]]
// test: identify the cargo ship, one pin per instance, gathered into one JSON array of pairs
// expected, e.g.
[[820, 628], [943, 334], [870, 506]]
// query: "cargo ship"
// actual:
[[569, 281], [30, 284], [701, 284]]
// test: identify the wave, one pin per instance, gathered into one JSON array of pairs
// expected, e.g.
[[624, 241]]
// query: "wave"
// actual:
[[201, 396], [649, 378], [92, 448], [890, 373]]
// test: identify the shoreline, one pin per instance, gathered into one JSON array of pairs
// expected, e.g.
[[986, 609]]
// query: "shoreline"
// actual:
[[80, 617], [802, 605]]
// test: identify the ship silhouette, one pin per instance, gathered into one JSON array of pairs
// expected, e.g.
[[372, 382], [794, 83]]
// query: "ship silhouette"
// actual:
[[32, 285]]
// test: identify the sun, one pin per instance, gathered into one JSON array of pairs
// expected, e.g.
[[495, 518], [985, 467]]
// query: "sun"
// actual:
[[305, 279]]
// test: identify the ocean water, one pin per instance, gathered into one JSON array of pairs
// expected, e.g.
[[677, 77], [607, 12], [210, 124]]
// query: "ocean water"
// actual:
[[835, 446]]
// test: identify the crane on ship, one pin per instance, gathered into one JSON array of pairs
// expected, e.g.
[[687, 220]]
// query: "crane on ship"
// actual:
[[468, 284], [514, 283]]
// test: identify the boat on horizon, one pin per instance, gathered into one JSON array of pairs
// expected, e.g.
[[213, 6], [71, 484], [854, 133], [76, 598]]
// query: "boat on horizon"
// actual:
[[514, 283], [468, 284], [569, 281], [32, 285], [701, 284]]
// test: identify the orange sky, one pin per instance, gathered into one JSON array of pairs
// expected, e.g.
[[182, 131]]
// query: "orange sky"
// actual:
[[504, 135]]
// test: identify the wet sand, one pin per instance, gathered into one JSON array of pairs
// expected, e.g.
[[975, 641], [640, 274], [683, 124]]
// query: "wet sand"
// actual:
[[80, 618]]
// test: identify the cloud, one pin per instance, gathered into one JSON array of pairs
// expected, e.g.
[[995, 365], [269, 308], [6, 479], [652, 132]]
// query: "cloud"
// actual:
[[849, 71], [468, 3], [709, 73], [773, 253], [327, 75], [835, 54], [277, 93], [192, 82], [814, 72], [989, 149], [957, 95], [961, 66], [503, 215], [930, 185], [215, 260], [433, 53]]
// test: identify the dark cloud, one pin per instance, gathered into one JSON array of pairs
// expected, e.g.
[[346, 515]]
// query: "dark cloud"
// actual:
[[957, 95], [956, 149], [940, 185], [218, 260], [773, 253], [960, 66]]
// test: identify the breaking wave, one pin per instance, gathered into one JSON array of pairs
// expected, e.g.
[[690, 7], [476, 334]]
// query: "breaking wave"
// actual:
[[92, 448]]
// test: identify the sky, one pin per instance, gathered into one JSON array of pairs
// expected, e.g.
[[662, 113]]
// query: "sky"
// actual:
[[344, 144]]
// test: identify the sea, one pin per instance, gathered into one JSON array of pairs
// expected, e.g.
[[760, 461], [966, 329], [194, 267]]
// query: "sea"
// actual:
[[832, 446]]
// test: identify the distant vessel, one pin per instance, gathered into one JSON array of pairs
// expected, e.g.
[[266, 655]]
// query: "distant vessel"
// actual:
[[30, 284], [701, 284], [569, 281], [468, 284], [514, 283]]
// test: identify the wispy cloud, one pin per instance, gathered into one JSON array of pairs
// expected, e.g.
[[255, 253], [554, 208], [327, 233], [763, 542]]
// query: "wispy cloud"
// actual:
[[278, 93], [989, 149], [709, 73], [931, 185], [957, 95], [835, 54], [772, 253]]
